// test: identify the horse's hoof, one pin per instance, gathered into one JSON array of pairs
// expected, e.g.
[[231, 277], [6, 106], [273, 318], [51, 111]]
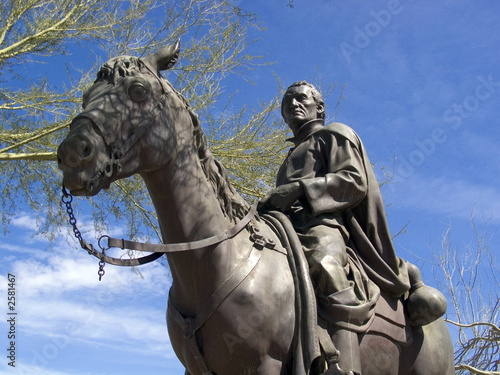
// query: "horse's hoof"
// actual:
[[424, 305]]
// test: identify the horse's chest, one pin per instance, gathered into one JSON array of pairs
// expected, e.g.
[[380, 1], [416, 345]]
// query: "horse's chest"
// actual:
[[254, 322]]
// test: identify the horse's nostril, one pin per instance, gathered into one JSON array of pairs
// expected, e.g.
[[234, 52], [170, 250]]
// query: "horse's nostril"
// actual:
[[85, 149], [75, 152]]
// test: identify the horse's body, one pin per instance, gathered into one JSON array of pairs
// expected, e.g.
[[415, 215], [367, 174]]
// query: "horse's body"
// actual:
[[135, 122]]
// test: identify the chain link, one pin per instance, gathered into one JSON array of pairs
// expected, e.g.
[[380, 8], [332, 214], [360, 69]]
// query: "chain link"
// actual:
[[66, 199], [101, 271]]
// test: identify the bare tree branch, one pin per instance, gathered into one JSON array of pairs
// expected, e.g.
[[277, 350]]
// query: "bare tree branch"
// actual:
[[470, 276]]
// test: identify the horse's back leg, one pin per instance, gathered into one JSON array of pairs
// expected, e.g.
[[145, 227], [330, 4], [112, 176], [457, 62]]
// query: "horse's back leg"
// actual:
[[379, 355], [435, 356]]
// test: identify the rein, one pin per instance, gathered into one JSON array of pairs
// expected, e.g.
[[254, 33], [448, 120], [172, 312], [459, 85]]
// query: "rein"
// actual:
[[157, 249]]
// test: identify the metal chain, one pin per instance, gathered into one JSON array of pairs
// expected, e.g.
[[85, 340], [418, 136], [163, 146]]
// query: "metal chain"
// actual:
[[66, 199], [101, 271]]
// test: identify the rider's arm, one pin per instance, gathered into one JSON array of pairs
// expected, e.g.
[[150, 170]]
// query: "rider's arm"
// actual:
[[344, 184]]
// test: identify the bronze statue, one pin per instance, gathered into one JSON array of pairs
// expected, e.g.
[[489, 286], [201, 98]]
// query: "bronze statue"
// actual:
[[241, 300], [327, 187]]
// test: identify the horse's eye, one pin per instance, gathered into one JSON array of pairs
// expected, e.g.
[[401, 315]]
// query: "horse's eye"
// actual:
[[137, 92]]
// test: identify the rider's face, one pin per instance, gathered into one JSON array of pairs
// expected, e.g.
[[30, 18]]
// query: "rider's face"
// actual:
[[299, 107]]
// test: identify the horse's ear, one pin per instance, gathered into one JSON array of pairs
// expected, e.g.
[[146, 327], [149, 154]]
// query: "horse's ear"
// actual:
[[166, 57]]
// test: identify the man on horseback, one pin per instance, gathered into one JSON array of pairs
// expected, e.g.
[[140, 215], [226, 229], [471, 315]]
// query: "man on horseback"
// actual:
[[327, 187]]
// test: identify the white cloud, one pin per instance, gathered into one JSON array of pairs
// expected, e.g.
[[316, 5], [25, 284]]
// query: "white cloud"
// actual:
[[25, 221], [113, 324], [61, 302]]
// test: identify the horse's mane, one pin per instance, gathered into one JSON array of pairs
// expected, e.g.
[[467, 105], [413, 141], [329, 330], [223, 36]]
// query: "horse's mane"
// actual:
[[119, 67], [231, 203]]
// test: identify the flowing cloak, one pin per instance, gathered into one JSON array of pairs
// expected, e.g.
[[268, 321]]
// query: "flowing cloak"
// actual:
[[342, 192]]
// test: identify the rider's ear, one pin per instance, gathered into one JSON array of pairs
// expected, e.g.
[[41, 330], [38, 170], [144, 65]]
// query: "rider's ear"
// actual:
[[320, 108], [166, 57]]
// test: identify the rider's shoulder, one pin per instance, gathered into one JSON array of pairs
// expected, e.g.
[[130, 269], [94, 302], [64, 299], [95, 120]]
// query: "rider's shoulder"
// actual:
[[342, 130]]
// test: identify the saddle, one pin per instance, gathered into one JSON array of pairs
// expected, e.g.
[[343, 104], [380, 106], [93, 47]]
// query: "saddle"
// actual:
[[387, 316]]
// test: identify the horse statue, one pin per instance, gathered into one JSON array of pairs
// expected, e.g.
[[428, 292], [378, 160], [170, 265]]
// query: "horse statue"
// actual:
[[232, 306]]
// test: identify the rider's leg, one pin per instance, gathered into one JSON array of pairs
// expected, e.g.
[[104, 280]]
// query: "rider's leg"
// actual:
[[347, 343], [326, 254], [328, 265]]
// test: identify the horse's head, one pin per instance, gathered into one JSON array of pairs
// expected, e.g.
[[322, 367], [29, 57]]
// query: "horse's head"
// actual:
[[126, 125]]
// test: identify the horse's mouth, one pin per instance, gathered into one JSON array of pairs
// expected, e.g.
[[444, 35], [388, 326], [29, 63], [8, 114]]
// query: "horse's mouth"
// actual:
[[79, 187], [79, 190], [79, 193]]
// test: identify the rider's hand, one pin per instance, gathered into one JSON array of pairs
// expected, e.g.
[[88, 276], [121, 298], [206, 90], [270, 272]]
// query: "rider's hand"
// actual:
[[282, 197]]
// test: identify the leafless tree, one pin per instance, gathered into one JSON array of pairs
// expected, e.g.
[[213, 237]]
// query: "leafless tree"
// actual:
[[469, 273]]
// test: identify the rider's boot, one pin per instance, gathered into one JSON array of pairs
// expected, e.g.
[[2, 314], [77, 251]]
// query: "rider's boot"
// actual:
[[347, 358], [424, 303], [334, 369]]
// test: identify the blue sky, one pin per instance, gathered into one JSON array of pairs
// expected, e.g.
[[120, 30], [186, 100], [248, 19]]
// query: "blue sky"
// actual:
[[422, 84]]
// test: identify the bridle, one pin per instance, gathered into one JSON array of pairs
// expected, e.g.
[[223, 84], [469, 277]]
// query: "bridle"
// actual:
[[157, 249], [118, 152]]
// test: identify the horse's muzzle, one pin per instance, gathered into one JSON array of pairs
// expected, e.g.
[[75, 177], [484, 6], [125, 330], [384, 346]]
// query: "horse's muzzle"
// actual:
[[77, 157]]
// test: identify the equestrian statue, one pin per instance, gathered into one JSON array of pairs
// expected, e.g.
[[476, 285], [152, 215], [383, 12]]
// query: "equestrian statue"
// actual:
[[307, 282]]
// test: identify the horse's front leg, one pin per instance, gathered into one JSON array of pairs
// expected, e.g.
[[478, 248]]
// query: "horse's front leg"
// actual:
[[271, 366]]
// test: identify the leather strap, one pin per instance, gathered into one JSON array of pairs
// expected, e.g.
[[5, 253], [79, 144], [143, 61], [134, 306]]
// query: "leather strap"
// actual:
[[159, 249], [119, 261], [183, 246]]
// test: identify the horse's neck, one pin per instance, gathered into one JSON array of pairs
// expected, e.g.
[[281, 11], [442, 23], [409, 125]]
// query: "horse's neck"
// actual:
[[185, 202], [188, 210]]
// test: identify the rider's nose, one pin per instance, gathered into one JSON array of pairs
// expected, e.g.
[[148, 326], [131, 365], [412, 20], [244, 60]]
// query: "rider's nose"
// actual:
[[294, 103]]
